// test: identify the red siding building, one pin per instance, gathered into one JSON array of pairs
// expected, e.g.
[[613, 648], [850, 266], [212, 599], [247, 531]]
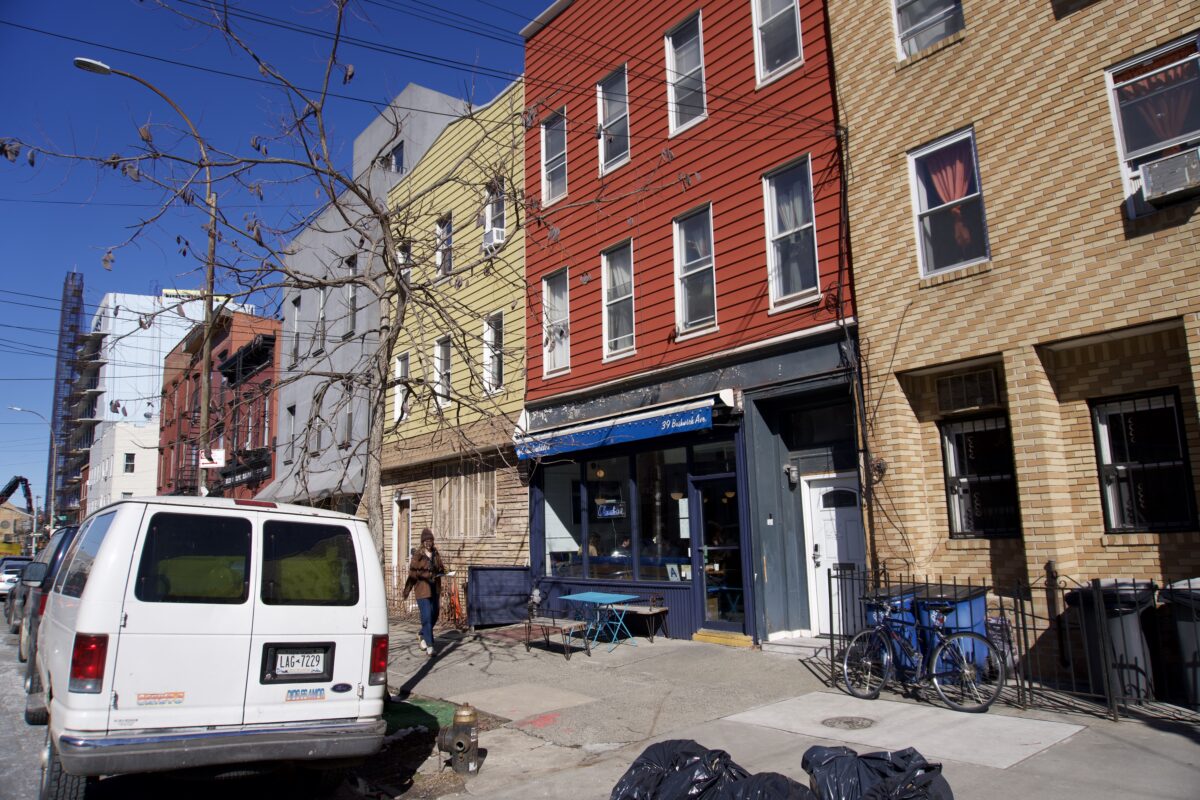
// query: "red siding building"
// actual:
[[243, 418], [690, 336]]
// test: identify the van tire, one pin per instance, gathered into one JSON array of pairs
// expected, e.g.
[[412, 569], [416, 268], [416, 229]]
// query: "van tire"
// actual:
[[56, 784], [36, 712]]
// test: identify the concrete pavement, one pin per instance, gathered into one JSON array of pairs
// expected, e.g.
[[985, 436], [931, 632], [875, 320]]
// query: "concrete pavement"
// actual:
[[576, 725]]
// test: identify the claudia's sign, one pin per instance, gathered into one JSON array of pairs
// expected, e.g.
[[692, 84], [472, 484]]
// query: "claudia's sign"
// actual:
[[617, 431]]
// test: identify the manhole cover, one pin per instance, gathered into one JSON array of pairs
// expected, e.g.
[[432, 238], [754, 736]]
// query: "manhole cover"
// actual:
[[848, 723]]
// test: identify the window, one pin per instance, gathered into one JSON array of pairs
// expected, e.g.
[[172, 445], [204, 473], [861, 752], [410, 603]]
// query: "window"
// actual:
[[554, 157], [266, 415], [347, 435], [295, 330], [195, 558], [464, 500], [685, 75], [319, 336], [441, 369], [308, 564], [400, 399], [83, 552], [493, 217], [556, 326], [351, 296], [290, 453], [404, 255], [981, 483], [129, 461], [791, 234], [1145, 480], [493, 353], [444, 255], [695, 303], [923, 23], [617, 266], [613, 101], [776, 36], [951, 230], [126, 495], [394, 161]]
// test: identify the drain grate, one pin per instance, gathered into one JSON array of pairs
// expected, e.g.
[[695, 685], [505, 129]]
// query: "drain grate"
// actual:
[[848, 723]]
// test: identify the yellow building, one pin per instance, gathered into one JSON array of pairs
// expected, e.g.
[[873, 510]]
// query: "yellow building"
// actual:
[[458, 365]]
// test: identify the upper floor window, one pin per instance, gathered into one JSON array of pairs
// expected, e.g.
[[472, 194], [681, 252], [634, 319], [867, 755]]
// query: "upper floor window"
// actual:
[[290, 450], [981, 481], [951, 229], [618, 298], [493, 353], [441, 368], [444, 254], [695, 295], [1145, 481], [400, 374], [613, 99], [295, 330], [923, 23], [129, 462], [319, 337], [556, 329], [554, 157], [394, 161], [493, 216], [791, 234], [685, 75], [776, 36], [351, 296]]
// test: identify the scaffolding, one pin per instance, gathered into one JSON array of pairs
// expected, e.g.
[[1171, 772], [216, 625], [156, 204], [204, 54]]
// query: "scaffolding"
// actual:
[[62, 467]]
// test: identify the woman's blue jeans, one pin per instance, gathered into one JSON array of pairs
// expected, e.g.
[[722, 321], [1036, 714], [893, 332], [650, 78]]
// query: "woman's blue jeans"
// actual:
[[429, 615]]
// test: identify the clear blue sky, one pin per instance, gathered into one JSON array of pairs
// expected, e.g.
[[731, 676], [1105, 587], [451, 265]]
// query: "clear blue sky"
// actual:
[[56, 217]]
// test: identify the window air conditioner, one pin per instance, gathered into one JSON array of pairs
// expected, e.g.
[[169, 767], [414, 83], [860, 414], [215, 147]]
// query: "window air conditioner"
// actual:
[[493, 238], [967, 390], [1166, 180]]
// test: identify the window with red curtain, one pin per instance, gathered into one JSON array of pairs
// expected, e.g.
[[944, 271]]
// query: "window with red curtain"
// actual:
[[950, 218], [1158, 101]]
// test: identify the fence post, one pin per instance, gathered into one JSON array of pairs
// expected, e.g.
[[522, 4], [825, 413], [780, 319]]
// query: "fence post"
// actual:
[[1021, 603], [833, 634], [1106, 668]]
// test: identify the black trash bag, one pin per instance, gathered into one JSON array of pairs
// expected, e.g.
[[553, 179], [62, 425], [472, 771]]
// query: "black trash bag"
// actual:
[[839, 773], [771, 786], [676, 769]]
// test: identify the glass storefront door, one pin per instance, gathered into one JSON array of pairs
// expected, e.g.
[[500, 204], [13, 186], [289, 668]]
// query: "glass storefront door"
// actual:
[[720, 535]]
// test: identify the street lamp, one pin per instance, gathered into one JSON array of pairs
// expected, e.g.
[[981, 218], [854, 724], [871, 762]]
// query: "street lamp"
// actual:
[[210, 200], [50, 490]]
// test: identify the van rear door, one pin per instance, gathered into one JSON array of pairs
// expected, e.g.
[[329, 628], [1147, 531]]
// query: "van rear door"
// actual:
[[310, 642], [184, 643]]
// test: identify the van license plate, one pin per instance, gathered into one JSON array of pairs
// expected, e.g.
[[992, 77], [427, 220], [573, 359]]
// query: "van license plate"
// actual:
[[299, 663]]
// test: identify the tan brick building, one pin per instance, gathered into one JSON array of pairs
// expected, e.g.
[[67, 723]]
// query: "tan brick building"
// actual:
[[1029, 323]]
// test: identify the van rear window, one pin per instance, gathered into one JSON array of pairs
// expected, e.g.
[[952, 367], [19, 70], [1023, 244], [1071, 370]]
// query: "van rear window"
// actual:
[[194, 558], [307, 564]]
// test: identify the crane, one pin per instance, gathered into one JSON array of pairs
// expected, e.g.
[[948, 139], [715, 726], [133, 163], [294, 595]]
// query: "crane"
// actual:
[[11, 486]]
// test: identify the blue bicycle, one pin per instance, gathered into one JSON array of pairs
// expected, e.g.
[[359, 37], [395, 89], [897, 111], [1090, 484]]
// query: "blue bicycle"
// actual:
[[965, 668]]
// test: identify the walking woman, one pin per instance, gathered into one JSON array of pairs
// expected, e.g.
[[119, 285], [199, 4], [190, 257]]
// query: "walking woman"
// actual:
[[425, 571]]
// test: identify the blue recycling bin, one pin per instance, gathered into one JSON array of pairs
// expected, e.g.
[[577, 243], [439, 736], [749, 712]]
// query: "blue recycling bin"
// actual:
[[899, 595], [967, 612]]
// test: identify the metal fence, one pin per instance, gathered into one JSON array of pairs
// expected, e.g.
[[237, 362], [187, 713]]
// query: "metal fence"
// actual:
[[452, 602], [1115, 647]]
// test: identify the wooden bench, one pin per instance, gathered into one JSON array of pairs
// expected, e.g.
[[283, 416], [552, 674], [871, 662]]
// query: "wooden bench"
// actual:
[[553, 622], [654, 615]]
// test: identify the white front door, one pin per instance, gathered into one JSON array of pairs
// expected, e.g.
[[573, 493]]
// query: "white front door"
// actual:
[[835, 538]]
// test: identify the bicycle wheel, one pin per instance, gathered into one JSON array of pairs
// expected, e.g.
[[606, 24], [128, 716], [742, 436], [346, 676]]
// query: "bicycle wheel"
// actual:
[[867, 665], [967, 672]]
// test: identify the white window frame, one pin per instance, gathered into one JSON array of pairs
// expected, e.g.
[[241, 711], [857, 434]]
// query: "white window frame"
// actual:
[[918, 213], [560, 114], [602, 123], [351, 297], [290, 452], [400, 372], [670, 55], [443, 356], [780, 302], [1131, 176], [607, 301], [493, 212], [393, 167], [266, 418], [493, 355], [295, 331], [761, 72], [128, 465], [319, 335], [954, 472], [565, 272], [899, 37], [444, 244], [682, 331]]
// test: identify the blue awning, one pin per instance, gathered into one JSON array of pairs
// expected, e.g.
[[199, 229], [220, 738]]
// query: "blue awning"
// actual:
[[618, 430]]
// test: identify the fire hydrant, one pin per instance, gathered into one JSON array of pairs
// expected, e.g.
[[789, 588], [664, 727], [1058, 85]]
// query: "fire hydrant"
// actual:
[[461, 741]]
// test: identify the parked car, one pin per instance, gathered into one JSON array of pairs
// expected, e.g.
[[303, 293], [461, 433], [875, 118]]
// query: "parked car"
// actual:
[[14, 604], [200, 632], [10, 569]]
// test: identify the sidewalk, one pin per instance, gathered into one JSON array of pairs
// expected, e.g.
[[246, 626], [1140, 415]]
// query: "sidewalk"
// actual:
[[576, 725]]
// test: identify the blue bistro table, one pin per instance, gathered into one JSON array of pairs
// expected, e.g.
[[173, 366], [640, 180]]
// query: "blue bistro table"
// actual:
[[604, 617]]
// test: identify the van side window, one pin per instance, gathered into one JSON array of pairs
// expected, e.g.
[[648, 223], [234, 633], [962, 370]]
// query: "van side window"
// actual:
[[86, 547], [306, 564], [193, 558], [68, 554]]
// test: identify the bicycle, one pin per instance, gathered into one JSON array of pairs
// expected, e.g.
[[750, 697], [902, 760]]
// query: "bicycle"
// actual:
[[965, 668]]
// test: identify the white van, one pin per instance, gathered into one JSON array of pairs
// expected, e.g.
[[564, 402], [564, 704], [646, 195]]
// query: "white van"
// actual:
[[189, 632]]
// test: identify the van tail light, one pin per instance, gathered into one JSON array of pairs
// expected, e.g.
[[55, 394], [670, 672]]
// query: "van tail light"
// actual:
[[379, 660], [87, 662], [42, 604]]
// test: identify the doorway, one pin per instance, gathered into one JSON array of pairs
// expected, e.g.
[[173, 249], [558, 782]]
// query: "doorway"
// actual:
[[401, 532], [720, 552], [836, 540]]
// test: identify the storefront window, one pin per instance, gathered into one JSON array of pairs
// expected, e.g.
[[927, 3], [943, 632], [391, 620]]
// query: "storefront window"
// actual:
[[664, 549], [564, 531], [711, 458], [610, 530]]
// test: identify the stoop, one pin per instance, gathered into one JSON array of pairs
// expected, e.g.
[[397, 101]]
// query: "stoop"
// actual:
[[727, 638], [802, 647]]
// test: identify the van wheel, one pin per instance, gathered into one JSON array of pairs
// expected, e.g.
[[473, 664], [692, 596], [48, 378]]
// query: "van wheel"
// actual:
[[56, 784]]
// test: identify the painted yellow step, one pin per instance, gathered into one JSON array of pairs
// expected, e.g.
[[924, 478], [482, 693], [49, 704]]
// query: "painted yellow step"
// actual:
[[727, 638]]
